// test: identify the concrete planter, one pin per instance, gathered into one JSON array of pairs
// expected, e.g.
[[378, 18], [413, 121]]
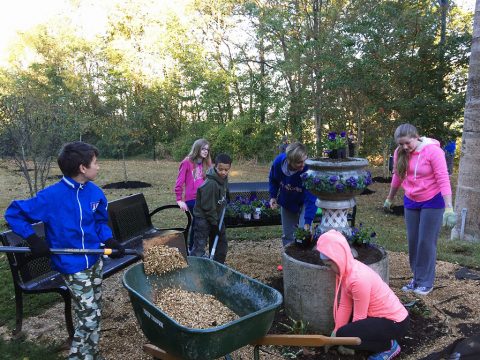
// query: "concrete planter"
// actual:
[[336, 183], [309, 291]]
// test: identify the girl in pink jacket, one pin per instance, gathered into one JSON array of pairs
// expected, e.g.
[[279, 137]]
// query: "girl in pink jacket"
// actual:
[[419, 166], [364, 305], [191, 175]]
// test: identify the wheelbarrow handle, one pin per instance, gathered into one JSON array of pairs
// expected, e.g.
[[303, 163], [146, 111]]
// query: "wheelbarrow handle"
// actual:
[[104, 251]]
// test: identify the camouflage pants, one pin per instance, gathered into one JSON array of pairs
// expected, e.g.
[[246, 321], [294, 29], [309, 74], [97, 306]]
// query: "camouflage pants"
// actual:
[[86, 290]]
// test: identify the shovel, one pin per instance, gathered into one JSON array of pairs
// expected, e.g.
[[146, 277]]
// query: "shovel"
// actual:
[[104, 251]]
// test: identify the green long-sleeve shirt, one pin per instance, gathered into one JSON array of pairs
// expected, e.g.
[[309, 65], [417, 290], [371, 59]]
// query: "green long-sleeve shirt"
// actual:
[[211, 197]]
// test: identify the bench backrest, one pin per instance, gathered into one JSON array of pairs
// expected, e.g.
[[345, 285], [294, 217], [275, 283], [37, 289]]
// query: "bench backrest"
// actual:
[[129, 217], [24, 266], [248, 190]]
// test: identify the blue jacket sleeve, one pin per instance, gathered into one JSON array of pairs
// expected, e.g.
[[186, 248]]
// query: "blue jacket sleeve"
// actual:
[[310, 207], [22, 213], [101, 221], [274, 179]]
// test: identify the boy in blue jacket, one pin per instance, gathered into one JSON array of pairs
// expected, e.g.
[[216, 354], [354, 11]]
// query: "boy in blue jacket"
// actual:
[[286, 189], [74, 212]]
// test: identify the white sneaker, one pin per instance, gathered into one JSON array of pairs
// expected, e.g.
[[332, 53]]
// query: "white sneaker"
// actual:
[[423, 290]]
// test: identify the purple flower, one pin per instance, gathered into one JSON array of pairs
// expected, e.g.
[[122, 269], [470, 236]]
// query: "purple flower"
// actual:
[[368, 178], [343, 134], [333, 179], [332, 135], [340, 187], [373, 234], [316, 180], [352, 182]]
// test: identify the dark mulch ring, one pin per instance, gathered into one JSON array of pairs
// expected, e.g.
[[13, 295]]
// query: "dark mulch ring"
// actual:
[[127, 185], [383, 180], [397, 210], [54, 177], [423, 329], [367, 191]]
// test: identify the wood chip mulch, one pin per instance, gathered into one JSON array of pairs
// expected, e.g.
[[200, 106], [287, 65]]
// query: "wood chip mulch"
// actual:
[[193, 310], [160, 259]]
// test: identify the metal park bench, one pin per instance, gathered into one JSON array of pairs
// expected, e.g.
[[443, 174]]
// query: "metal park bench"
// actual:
[[259, 190], [131, 223]]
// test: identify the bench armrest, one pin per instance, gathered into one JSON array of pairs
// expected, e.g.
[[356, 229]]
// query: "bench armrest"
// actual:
[[173, 206]]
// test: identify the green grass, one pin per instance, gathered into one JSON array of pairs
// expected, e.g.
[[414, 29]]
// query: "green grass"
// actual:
[[162, 174], [18, 349]]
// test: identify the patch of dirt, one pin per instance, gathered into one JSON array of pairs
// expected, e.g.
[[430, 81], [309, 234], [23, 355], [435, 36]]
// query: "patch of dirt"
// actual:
[[450, 312], [127, 185]]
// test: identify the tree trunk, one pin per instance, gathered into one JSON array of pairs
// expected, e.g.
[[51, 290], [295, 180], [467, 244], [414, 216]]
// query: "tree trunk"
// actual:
[[468, 187], [316, 76]]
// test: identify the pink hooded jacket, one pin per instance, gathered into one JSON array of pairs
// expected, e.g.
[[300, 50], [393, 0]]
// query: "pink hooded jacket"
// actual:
[[360, 288], [427, 173], [192, 176]]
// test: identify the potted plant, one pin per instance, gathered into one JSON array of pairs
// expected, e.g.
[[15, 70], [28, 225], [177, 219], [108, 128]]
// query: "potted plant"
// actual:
[[246, 210], [232, 213], [257, 206], [303, 238], [361, 236], [336, 145]]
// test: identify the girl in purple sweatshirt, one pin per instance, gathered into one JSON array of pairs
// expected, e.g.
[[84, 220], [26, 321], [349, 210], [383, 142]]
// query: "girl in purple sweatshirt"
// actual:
[[419, 166], [191, 175]]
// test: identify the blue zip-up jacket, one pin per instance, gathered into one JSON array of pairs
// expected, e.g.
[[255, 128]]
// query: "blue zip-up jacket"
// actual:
[[75, 216], [289, 190]]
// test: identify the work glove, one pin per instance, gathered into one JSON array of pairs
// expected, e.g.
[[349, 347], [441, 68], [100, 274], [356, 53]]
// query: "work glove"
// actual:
[[182, 205], [38, 246], [387, 206], [449, 217], [114, 244]]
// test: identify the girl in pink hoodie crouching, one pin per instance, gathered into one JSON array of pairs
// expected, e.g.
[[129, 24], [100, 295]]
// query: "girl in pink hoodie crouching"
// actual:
[[364, 305]]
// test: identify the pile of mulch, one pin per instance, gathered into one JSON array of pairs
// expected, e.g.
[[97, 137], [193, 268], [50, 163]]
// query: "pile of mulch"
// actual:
[[449, 313]]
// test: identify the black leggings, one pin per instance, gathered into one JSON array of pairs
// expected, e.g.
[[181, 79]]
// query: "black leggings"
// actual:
[[376, 333]]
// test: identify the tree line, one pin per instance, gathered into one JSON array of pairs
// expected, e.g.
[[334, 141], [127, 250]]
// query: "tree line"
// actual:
[[241, 73]]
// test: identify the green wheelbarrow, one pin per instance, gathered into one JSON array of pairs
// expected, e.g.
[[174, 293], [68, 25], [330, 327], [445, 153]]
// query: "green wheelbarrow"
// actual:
[[255, 304]]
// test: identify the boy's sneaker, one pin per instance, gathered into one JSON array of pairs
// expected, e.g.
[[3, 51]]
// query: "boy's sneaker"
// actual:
[[387, 355], [423, 290], [409, 287]]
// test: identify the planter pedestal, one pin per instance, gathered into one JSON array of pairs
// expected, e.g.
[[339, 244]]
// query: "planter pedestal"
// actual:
[[335, 215], [309, 291]]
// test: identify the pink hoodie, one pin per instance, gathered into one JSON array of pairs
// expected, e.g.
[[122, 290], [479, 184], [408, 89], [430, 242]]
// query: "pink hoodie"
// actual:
[[427, 173], [361, 289], [191, 175]]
